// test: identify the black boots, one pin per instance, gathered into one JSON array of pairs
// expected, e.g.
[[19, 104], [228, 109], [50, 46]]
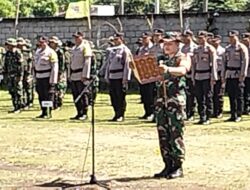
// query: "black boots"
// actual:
[[166, 171], [177, 170], [172, 170]]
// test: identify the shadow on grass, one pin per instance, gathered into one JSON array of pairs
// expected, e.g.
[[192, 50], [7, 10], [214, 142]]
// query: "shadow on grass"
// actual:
[[102, 183]]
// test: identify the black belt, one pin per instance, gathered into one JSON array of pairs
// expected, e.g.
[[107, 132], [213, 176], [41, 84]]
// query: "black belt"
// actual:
[[43, 71], [116, 71], [76, 71], [203, 71], [233, 68]]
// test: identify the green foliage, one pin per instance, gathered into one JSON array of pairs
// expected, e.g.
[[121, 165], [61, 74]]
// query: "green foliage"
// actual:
[[45, 8], [220, 5], [51, 7], [7, 8]]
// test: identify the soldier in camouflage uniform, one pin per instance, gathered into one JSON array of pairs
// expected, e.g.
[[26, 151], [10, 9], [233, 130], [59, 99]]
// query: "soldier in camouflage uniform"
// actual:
[[61, 85], [170, 107], [14, 71], [27, 100]]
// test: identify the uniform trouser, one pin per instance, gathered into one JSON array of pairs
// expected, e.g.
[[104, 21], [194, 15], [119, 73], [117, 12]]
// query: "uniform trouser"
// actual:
[[117, 96], [147, 94], [28, 90], [204, 98], [15, 90], [42, 88], [218, 93], [190, 104], [82, 105], [170, 125], [247, 95], [235, 93]]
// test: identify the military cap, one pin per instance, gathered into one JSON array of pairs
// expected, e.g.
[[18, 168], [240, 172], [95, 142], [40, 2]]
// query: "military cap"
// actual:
[[171, 36], [28, 43], [11, 41], [202, 33], [210, 35], [187, 33], [146, 34], [54, 39], [245, 35], [233, 33], [21, 41], [78, 34], [158, 31], [139, 41], [216, 38], [118, 35], [43, 39]]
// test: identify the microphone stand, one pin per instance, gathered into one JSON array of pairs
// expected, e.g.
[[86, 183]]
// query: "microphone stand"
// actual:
[[93, 179]]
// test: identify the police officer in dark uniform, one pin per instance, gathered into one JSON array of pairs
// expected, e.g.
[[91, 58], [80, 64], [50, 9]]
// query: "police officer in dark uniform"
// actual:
[[234, 74], [118, 73], [80, 68], [46, 73], [204, 75], [188, 48], [147, 90]]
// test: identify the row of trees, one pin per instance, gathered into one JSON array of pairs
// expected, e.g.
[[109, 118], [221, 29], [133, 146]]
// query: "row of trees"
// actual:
[[29, 8]]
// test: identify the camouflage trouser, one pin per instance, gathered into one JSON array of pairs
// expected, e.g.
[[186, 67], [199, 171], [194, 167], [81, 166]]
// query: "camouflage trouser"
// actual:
[[61, 88], [15, 89], [28, 90], [170, 125]]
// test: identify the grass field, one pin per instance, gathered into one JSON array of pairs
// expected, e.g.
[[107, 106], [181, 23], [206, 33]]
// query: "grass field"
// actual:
[[36, 151]]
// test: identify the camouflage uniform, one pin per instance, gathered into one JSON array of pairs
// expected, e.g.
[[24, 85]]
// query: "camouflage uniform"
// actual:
[[14, 72], [61, 86], [170, 115], [28, 85]]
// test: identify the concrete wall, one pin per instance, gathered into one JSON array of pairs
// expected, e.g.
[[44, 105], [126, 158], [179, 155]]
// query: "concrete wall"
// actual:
[[133, 26]]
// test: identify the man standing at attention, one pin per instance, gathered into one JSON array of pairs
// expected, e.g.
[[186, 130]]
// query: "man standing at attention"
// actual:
[[170, 107], [80, 68]]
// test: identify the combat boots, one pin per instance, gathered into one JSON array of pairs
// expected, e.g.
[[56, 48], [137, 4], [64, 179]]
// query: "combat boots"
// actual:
[[177, 170], [166, 171]]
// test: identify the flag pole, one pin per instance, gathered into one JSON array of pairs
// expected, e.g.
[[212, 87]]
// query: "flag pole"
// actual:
[[17, 17]]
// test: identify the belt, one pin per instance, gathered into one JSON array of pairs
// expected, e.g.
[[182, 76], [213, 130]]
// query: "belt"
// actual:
[[233, 68], [116, 71], [203, 71], [43, 71], [76, 71]]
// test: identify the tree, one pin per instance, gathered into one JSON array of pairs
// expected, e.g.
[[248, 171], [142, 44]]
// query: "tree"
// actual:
[[45, 8], [7, 9]]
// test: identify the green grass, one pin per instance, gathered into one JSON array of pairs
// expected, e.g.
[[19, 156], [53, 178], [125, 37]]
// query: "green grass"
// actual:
[[34, 150]]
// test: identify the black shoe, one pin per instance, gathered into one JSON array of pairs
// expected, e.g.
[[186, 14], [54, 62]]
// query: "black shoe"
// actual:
[[83, 117], [166, 171], [113, 119], [200, 122], [231, 119], [120, 119], [176, 174], [143, 117], [206, 122], [162, 174], [47, 117], [238, 119], [75, 118], [40, 116]]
